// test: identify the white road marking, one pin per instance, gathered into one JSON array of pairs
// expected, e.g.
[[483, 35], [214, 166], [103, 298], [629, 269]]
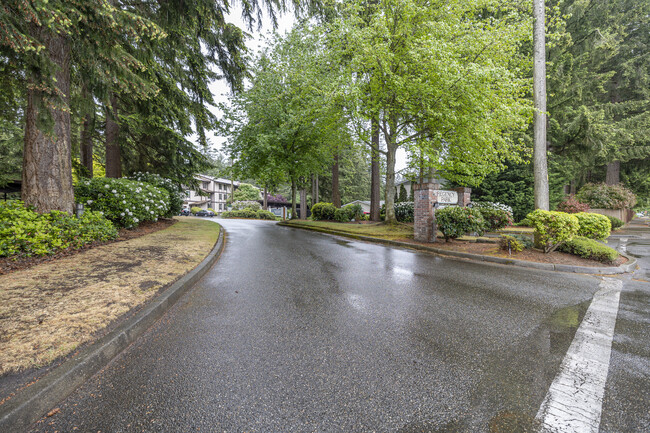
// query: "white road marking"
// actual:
[[574, 401], [622, 245]]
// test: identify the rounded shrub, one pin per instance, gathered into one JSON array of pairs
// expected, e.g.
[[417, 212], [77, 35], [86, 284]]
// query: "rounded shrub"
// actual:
[[603, 196], [354, 211], [616, 223], [323, 211], [124, 202], [455, 221], [593, 225], [174, 190], [195, 209], [24, 232], [404, 211], [552, 228], [341, 215], [265, 215], [589, 249]]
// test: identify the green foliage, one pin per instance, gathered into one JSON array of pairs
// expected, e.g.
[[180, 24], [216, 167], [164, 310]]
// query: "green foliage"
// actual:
[[572, 205], [593, 225], [497, 216], [195, 209], [174, 190], [246, 192], [403, 196], [242, 213], [603, 196], [323, 211], [11, 150], [24, 232], [616, 223], [589, 249], [455, 221], [511, 243], [124, 202], [265, 215], [552, 228], [404, 212], [246, 204], [354, 211], [341, 215]]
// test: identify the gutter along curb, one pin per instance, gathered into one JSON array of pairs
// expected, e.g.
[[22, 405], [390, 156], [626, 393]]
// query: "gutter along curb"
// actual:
[[30, 404], [627, 267]]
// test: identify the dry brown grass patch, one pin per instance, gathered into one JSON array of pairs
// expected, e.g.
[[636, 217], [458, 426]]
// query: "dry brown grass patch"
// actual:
[[51, 309]]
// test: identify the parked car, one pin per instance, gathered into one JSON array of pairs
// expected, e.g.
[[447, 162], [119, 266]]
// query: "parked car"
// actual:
[[185, 212], [205, 213]]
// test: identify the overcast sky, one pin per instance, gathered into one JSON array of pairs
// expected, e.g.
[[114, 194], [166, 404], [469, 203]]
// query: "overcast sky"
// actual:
[[220, 88]]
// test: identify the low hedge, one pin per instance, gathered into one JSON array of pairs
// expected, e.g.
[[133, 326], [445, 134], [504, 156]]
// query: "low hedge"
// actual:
[[124, 202], [616, 223], [25, 232], [249, 213], [552, 228], [246, 204], [589, 249], [593, 225]]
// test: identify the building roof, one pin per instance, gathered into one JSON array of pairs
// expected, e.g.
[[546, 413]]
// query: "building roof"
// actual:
[[381, 202], [215, 179]]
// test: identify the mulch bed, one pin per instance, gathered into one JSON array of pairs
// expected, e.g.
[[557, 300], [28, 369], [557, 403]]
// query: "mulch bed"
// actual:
[[11, 264], [491, 249]]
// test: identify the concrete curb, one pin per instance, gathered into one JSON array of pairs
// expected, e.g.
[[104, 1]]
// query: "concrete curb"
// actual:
[[628, 267], [33, 402]]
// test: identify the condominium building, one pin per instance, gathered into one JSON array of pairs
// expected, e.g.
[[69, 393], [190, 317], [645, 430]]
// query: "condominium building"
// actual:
[[212, 193]]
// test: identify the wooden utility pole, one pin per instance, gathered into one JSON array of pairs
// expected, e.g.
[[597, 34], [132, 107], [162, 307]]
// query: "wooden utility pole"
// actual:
[[540, 168]]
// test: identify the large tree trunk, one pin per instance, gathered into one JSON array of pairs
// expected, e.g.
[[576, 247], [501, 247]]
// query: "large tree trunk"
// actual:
[[87, 128], [375, 180], [540, 169], [613, 173], [303, 203], [113, 153], [336, 194], [390, 182], [293, 199], [265, 200], [47, 167], [314, 189]]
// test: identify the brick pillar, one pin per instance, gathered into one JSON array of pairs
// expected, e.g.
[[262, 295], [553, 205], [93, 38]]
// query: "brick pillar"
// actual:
[[424, 221], [464, 196]]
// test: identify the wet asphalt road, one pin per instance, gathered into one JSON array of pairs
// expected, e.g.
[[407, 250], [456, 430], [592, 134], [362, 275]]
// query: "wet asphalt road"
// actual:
[[295, 331]]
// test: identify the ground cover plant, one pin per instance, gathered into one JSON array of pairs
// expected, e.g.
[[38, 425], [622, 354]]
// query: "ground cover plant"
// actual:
[[589, 249], [124, 202], [24, 232]]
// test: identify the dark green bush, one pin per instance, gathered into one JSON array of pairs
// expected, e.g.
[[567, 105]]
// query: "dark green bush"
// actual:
[[593, 225], [24, 232], [341, 215], [355, 212], [241, 213], [265, 215], [511, 243], [616, 223], [404, 211], [589, 249], [323, 211], [455, 221]]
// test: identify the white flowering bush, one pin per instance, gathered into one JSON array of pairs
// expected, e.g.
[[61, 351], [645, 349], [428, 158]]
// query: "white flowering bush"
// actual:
[[246, 204], [175, 191], [124, 202]]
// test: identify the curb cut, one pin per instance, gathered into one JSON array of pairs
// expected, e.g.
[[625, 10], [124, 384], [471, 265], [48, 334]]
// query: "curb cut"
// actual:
[[628, 267], [32, 403]]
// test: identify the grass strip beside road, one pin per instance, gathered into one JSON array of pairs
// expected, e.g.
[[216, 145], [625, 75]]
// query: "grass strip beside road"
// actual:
[[375, 230], [49, 310]]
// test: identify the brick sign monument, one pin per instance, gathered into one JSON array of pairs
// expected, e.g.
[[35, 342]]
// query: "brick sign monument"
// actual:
[[427, 198]]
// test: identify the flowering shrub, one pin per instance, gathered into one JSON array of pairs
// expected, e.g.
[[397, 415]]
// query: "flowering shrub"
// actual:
[[572, 205], [278, 198], [593, 225], [24, 232], [125, 202], [552, 228], [605, 196], [455, 221], [404, 211], [496, 215], [175, 191], [323, 211], [246, 204]]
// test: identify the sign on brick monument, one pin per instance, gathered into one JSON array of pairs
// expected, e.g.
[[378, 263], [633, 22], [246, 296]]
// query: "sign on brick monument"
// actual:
[[427, 198]]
